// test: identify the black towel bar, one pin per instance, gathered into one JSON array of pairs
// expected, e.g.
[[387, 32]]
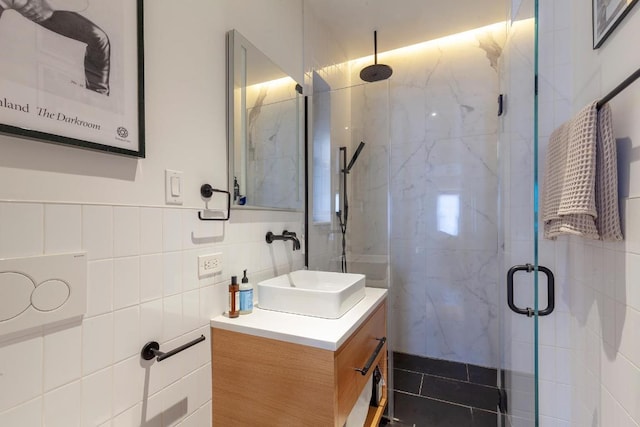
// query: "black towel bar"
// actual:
[[152, 349], [622, 86]]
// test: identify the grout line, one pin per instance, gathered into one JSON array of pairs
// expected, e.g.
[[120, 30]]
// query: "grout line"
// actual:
[[445, 378], [466, 368], [446, 401]]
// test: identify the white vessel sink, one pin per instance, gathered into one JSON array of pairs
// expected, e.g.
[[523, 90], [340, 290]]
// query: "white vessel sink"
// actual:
[[312, 293]]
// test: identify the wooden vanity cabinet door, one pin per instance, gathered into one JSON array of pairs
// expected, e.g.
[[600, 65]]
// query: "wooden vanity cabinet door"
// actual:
[[269, 383], [354, 354]]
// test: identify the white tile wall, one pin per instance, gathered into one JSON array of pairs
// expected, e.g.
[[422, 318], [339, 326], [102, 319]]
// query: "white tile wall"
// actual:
[[62, 355], [21, 231], [142, 286], [97, 231], [99, 287], [97, 397], [126, 282], [605, 296], [63, 228], [61, 407], [21, 367], [126, 231]]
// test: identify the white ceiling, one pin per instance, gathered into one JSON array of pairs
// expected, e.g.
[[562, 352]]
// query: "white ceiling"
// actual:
[[401, 22]]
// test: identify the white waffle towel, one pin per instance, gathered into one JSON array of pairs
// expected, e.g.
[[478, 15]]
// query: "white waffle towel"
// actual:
[[580, 191]]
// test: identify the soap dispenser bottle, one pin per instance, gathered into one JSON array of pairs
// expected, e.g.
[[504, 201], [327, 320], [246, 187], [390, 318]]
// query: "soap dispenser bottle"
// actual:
[[246, 295], [234, 298]]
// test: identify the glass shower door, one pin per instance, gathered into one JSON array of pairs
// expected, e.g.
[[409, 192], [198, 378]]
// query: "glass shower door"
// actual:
[[527, 288]]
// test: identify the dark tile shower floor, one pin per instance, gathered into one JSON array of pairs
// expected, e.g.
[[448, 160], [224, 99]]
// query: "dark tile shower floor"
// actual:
[[440, 393]]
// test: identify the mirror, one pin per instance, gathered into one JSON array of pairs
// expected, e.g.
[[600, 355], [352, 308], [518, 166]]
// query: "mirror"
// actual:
[[265, 130]]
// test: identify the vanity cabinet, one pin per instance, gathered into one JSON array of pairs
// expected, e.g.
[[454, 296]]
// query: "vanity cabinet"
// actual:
[[260, 381]]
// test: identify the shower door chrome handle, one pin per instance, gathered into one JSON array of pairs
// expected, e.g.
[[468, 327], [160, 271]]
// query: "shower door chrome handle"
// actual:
[[529, 312]]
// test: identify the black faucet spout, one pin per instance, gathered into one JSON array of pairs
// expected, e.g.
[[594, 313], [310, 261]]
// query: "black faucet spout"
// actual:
[[286, 235]]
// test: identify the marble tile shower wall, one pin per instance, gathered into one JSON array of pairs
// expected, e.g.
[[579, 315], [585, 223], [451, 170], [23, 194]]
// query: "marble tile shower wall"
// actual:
[[369, 179], [273, 135], [443, 197], [142, 286]]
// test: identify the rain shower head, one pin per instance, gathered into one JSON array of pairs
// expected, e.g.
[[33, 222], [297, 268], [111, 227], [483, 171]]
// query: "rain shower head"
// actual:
[[375, 72], [355, 156]]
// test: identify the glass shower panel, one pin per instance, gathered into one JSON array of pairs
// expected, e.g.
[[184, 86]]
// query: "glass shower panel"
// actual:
[[344, 118], [444, 223], [518, 203]]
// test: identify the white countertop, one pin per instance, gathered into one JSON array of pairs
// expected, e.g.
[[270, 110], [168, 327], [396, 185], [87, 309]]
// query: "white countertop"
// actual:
[[327, 334]]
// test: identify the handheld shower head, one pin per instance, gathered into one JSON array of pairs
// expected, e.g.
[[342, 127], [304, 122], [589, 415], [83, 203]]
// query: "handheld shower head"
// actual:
[[355, 156]]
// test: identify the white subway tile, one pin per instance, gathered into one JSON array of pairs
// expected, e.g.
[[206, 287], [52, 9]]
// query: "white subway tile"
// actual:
[[151, 277], [97, 231], [128, 384], [128, 418], [99, 287], [191, 311], [563, 329], [126, 333], [627, 326], [151, 230], [153, 415], [190, 278], [626, 386], [632, 291], [174, 368], [207, 303], [151, 314], [97, 343], [547, 363], [172, 266], [62, 228], [202, 355], [61, 407], [608, 321], [632, 225], [172, 230], [174, 402], [126, 231], [126, 282], [563, 365], [62, 355], [198, 388], [27, 414], [97, 392], [21, 230], [201, 417], [21, 368], [172, 317]]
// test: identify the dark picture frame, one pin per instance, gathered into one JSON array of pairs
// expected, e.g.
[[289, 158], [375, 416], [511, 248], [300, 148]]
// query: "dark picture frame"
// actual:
[[607, 14], [77, 77]]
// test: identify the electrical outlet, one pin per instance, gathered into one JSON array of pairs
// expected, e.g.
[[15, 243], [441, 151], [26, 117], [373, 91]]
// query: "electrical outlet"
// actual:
[[209, 264]]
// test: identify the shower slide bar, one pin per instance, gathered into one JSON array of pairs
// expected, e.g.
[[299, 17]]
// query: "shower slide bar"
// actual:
[[551, 297], [152, 349]]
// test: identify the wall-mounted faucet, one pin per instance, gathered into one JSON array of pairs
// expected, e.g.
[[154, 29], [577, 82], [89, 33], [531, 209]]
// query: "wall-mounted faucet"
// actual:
[[286, 235]]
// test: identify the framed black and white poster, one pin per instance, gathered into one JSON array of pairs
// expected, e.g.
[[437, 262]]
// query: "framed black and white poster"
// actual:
[[72, 73], [607, 14]]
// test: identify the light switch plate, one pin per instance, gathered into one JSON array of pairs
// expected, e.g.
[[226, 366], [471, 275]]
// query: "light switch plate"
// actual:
[[173, 185]]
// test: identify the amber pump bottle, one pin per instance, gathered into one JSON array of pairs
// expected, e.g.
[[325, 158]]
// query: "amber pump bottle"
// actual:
[[234, 297]]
